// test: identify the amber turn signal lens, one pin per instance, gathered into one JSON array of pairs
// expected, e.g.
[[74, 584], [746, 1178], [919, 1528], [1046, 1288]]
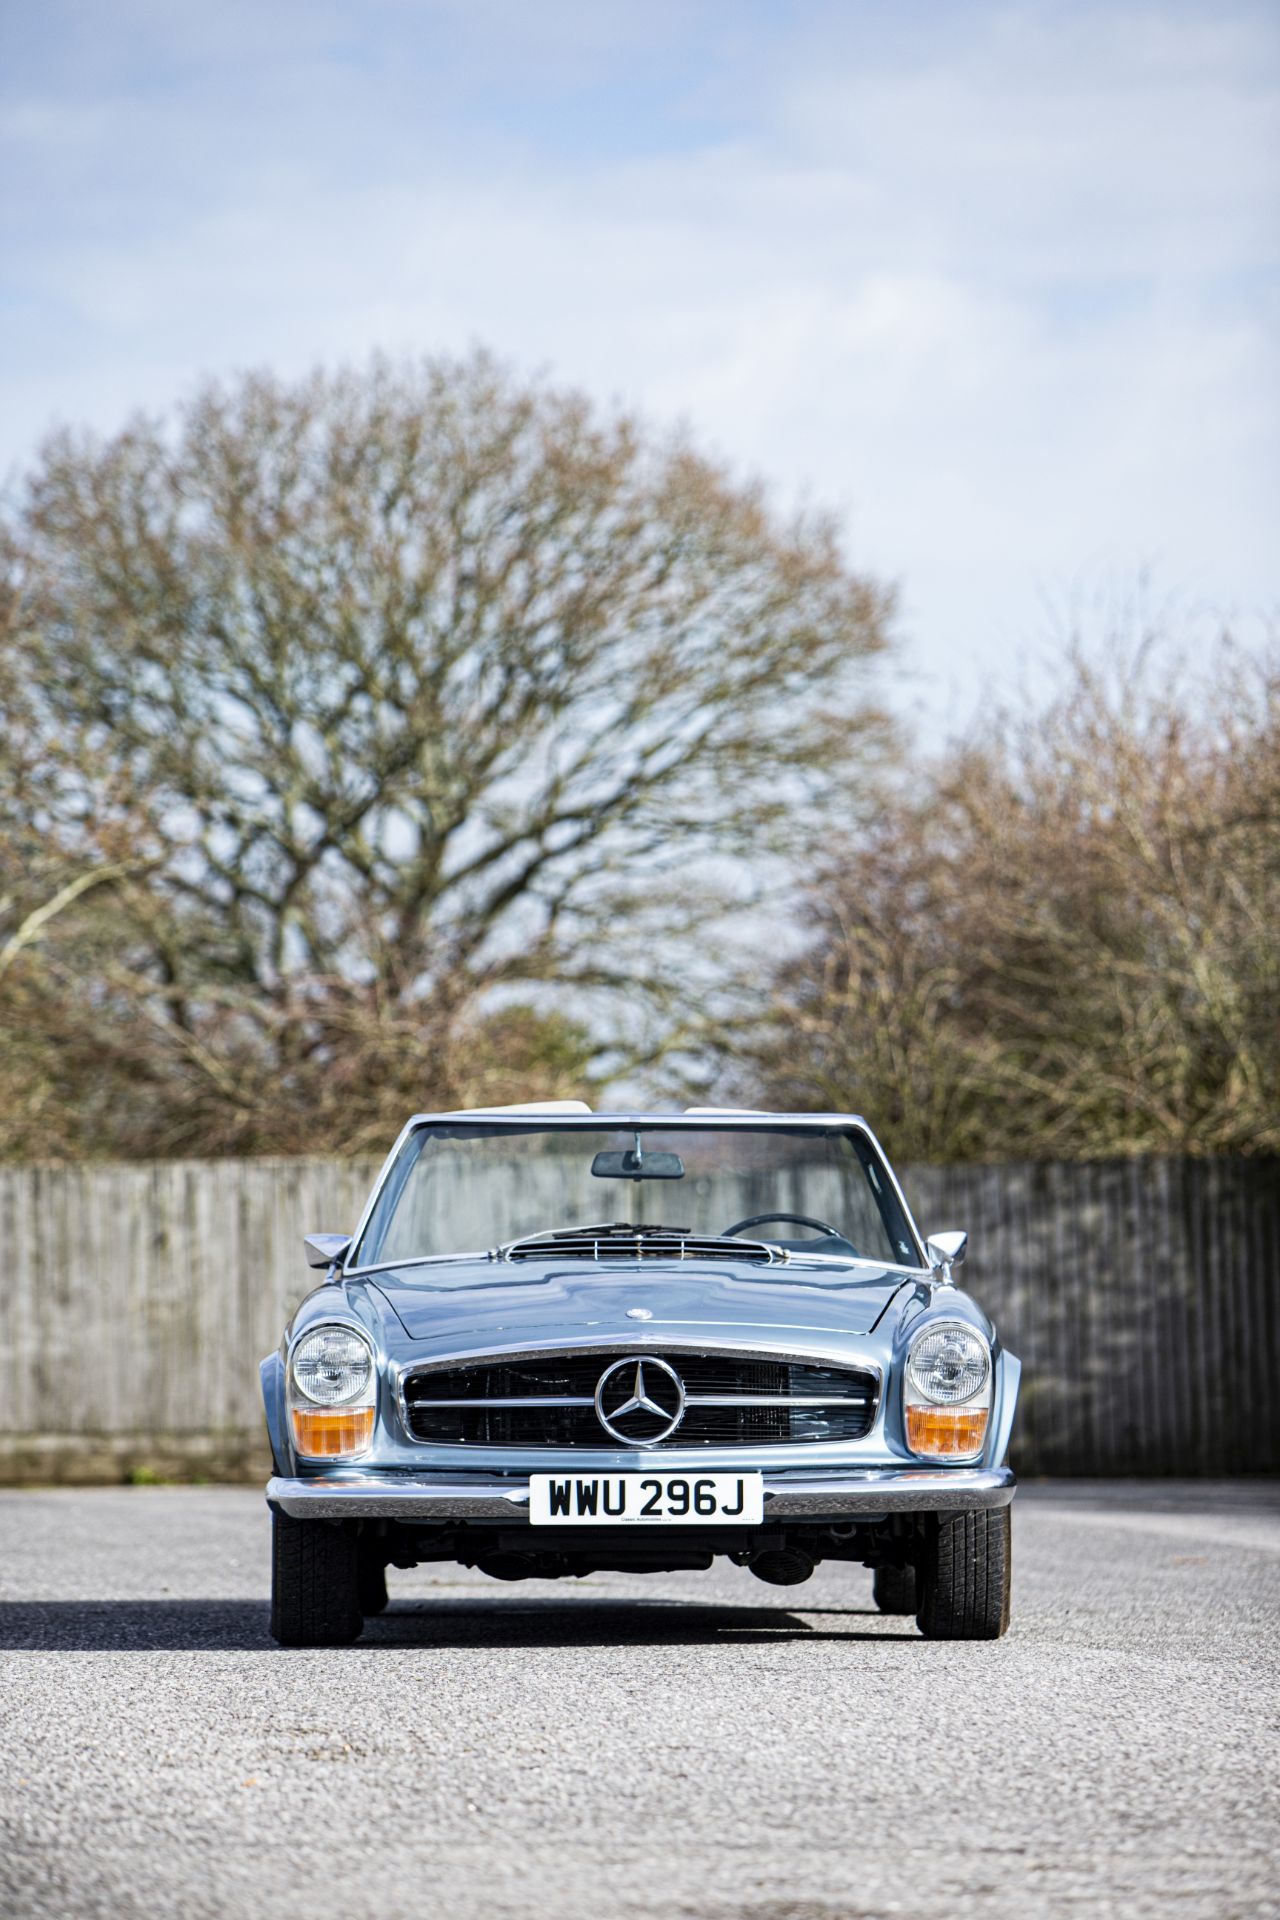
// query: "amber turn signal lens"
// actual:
[[327, 1432], [946, 1432]]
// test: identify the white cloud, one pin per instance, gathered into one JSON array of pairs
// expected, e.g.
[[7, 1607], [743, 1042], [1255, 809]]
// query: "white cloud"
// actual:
[[1002, 295]]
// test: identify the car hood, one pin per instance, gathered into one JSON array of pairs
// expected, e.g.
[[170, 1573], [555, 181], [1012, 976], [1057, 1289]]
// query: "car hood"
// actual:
[[542, 1303]]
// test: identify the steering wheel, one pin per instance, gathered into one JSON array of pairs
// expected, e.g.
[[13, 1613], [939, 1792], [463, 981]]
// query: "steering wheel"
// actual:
[[796, 1219]]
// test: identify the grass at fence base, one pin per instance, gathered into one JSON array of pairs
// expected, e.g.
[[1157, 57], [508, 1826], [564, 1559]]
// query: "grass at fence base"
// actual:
[[138, 1460]]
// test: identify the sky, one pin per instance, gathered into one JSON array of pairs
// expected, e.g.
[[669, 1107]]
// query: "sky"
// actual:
[[996, 283]]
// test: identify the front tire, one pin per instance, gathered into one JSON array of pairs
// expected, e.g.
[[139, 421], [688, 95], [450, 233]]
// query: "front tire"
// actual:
[[964, 1576], [315, 1599]]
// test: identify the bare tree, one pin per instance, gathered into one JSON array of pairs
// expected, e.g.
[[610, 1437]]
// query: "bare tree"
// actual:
[[364, 736], [1061, 940]]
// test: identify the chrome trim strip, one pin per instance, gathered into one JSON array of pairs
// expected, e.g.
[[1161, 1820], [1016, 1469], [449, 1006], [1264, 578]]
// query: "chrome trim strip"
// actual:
[[528, 1400], [643, 1339], [482, 1254], [871, 1492], [690, 1400], [776, 1400]]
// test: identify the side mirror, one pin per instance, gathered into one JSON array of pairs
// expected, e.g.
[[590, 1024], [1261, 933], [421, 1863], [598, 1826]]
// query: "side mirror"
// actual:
[[947, 1250], [326, 1249]]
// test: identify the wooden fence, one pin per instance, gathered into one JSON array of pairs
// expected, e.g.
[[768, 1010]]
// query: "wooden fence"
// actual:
[[1142, 1296], [1143, 1299]]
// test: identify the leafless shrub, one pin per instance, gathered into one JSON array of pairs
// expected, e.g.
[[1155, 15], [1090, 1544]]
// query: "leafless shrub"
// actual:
[[1060, 941]]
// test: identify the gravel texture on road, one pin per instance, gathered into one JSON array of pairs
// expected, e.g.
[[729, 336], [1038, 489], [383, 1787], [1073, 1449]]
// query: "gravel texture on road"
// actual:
[[692, 1746]]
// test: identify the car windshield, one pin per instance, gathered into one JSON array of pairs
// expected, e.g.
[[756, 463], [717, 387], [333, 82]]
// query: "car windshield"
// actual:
[[474, 1185]]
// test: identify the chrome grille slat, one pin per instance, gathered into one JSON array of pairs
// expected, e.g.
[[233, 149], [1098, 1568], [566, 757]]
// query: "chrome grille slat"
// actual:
[[691, 1400], [516, 1400], [776, 1399]]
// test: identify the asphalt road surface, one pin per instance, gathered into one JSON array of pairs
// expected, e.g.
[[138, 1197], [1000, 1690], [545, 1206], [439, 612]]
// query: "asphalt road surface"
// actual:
[[696, 1746]]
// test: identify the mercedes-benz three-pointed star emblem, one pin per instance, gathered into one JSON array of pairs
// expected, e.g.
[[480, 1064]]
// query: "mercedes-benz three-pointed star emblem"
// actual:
[[640, 1401]]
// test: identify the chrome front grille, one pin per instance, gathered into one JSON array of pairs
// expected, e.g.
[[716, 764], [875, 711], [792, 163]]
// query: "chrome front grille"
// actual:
[[549, 1400]]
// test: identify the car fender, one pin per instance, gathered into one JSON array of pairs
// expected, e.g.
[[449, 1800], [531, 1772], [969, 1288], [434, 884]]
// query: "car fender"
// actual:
[[1008, 1375], [271, 1375]]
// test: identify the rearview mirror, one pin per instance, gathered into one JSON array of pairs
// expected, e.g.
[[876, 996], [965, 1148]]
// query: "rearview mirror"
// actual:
[[947, 1249], [633, 1165]]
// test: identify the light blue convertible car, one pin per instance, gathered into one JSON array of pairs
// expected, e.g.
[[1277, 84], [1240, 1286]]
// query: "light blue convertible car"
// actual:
[[561, 1342]]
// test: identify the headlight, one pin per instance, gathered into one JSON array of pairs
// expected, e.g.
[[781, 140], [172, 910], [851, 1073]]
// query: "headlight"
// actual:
[[332, 1393], [947, 1392], [332, 1365], [948, 1364]]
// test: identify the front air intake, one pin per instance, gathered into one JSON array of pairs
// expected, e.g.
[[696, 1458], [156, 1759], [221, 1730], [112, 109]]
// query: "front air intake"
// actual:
[[644, 1244], [730, 1400]]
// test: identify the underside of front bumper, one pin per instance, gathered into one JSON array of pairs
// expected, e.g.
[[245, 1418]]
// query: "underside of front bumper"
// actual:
[[869, 1494]]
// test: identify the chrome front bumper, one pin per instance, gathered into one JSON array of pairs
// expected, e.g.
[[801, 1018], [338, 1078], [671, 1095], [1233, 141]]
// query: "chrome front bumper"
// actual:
[[867, 1494]]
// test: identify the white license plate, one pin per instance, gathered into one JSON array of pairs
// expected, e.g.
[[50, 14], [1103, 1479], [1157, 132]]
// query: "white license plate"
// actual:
[[640, 1499]]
